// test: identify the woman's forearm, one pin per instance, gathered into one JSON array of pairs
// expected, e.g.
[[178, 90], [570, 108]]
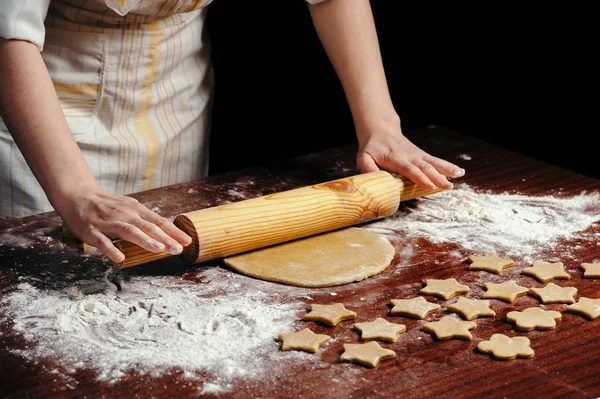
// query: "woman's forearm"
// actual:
[[346, 29], [31, 110]]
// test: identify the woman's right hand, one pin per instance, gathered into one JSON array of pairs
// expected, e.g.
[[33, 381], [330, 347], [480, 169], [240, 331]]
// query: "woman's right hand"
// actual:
[[97, 217]]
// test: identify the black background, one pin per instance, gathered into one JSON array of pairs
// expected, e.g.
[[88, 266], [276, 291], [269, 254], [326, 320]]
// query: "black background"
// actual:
[[521, 78]]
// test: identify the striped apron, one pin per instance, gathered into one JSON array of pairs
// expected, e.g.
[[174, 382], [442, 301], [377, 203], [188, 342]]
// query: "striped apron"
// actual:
[[135, 82]]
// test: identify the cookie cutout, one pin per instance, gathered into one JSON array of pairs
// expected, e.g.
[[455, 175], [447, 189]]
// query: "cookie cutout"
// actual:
[[471, 308], [489, 263], [369, 354], [380, 329], [544, 272], [534, 319], [329, 314], [591, 270], [507, 291], [587, 307], [553, 293], [304, 340], [502, 347], [449, 327], [444, 289], [417, 307]]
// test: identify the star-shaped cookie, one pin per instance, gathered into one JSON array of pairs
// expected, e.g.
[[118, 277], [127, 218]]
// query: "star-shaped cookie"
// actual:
[[503, 347], [507, 291], [591, 270], [543, 271], [417, 307], [329, 314], [534, 319], [471, 308], [380, 329], [369, 354], [553, 293], [444, 289], [587, 307], [490, 263], [304, 340], [450, 327]]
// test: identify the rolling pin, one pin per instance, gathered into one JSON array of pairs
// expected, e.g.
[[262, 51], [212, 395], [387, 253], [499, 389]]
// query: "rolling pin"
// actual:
[[245, 225]]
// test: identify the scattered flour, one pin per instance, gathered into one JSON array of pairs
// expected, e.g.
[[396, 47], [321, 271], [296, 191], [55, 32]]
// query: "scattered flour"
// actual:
[[482, 222], [226, 326]]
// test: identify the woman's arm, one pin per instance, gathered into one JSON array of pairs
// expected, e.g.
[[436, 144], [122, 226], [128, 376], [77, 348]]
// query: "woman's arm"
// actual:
[[347, 31], [31, 110]]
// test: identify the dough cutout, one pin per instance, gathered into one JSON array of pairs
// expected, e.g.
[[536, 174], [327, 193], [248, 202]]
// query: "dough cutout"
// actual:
[[471, 308], [502, 347], [490, 263], [304, 340], [507, 291], [444, 289], [534, 319], [329, 314], [591, 270], [417, 307], [553, 293], [544, 272], [328, 259], [449, 327], [369, 354], [587, 307], [380, 329]]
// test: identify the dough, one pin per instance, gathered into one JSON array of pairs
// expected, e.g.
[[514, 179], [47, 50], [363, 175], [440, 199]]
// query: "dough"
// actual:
[[491, 263], [471, 308], [545, 272], [552, 293], [369, 354], [503, 347], [449, 327], [324, 260], [380, 329], [304, 340], [507, 291], [329, 315], [534, 319], [445, 289], [417, 307]]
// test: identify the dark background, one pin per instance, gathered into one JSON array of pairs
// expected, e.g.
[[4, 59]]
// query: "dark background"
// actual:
[[517, 77]]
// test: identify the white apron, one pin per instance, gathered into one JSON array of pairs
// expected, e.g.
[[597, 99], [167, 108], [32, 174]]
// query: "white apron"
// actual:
[[135, 83]]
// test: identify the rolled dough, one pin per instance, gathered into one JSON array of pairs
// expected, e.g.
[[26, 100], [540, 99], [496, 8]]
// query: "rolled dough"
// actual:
[[324, 260]]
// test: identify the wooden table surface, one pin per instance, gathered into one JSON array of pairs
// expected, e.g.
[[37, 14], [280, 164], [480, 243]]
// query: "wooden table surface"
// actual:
[[566, 362]]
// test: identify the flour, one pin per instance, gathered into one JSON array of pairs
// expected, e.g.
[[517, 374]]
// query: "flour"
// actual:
[[226, 326], [481, 222]]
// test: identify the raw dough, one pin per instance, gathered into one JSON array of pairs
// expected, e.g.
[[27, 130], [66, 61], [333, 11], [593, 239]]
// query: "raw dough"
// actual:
[[534, 319], [553, 293], [324, 260], [507, 291], [450, 327], [329, 314], [586, 307], [544, 272], [444, 289], [471, 308], [380, 329], [304, 340], [490, 263], [590, 270], [503, 347], [368, 354], [417, 307]]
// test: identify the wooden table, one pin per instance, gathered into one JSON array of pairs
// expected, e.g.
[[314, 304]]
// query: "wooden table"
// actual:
[[566, 362]]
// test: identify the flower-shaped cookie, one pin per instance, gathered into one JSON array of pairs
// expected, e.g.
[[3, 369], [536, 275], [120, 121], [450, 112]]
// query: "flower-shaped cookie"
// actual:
[[490, 263], [534, 318], [503, 347], [444, 289], [471, 308], [380, 329], [450, 327], [304, 340], [507, 291], [417, 307], [369, 354], [329, 314], [543, 271], [587, 307], [553, 293]]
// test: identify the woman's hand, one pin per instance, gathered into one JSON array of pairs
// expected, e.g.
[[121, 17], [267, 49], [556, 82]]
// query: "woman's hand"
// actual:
[[385, 147], [97, 218]]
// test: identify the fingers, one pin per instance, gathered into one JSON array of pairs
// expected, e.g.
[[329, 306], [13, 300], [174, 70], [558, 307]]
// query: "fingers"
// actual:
[[103, 244], [176, 235], [366, 163]]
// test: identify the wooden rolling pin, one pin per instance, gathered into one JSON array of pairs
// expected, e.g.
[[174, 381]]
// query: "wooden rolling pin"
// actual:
[[233, 228]]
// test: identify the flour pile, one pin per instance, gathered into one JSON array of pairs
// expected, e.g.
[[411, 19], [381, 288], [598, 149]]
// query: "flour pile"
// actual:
[[225, 326], [481, 222]]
